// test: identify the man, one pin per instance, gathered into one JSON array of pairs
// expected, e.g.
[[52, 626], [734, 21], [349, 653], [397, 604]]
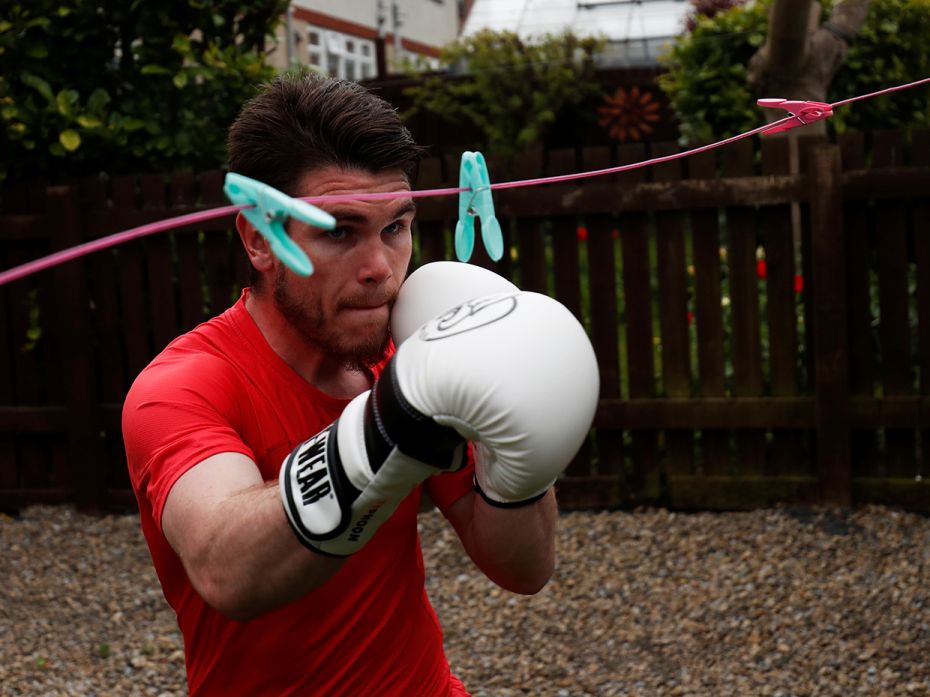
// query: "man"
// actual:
[[274, 595]]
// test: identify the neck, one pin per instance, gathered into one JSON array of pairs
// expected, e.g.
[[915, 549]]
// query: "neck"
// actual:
[[319, 368]]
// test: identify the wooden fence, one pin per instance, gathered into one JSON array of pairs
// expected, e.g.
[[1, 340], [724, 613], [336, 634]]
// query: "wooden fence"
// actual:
[[763, 336]]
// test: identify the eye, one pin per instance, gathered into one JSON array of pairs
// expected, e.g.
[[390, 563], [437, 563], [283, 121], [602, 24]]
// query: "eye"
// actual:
[[338, 233], [394, 228]]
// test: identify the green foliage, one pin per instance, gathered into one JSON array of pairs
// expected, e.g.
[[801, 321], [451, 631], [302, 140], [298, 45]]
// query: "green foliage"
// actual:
[[891, 49], [513, 91], [122, 86], [707, 85], [706, 79]]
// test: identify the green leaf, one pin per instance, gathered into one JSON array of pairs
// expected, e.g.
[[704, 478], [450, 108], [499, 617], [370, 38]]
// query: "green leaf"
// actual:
[[181, 44], [70, 140], [89, 121], [99, 98], [152, 69], [131, 124], [180, 80], [39, 85], [37, 50], [65, 100]]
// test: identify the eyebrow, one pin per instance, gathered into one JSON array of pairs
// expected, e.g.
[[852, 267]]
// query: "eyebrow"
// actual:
[[350, 216]]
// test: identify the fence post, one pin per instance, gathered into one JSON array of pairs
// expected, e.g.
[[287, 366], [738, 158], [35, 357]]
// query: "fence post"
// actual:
[[75, 352], [831, 359]]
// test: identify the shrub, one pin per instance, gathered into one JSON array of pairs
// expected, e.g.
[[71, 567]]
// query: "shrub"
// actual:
[[707, 85], [120, 87], [513, 90]]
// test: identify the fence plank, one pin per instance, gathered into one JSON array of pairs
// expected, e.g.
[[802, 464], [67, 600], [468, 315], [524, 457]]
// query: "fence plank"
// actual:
[[715, 456], [637, 293], [744, 304], [865, 459], [921, 145], [431, 237], [894, 330], [807, 143], [830, 361], [565, 252], [605, 319], [131, 272], [21, 461], [104, 292], [531, 239], [673, 313], [217, 250], [29, 296], [787, 446], [8, 454], [190, 284], [86, 473], [480, 256], [567, 276], [160, 273]]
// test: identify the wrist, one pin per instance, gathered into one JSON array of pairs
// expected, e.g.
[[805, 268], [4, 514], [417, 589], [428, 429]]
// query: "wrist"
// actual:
[[493, 498]]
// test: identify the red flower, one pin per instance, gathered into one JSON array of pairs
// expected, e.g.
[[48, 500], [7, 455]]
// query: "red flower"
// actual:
[[799, 283], [615, 234], [582, 233], [690, 317], [761, 270]]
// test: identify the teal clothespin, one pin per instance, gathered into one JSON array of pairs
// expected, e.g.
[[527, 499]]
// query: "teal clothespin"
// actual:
[[473, 175], [271, 210]]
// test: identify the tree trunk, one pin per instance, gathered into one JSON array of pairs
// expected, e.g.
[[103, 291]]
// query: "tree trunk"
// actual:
[[801, 55]]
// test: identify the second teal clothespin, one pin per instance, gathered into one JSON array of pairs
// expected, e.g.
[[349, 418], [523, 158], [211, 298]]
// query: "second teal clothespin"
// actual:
[[476, 202], [271, 209]]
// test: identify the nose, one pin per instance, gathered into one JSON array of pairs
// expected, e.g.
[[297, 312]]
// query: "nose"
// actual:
[[374, 266]]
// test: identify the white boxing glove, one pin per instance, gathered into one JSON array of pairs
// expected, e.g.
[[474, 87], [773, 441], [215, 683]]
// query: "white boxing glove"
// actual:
[[513, 372], [516, 374], [344, 482], [436, 287]]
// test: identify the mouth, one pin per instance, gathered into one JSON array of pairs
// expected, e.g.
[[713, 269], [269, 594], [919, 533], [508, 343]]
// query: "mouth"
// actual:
[[365, 308]]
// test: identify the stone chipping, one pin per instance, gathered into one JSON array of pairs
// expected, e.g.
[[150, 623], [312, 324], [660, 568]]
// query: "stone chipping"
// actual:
[[650, 603]]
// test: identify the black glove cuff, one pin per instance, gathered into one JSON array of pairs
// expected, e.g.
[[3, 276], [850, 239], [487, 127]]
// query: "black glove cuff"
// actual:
[[507, 504]]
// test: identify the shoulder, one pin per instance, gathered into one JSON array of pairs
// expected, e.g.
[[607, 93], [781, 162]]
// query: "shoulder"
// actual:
[[194, 369]]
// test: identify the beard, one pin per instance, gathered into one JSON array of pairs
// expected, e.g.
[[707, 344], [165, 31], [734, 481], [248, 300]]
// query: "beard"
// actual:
[[359, 351]]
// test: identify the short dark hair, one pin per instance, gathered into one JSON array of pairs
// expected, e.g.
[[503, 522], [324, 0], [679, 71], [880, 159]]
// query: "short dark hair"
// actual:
[[298, 123]]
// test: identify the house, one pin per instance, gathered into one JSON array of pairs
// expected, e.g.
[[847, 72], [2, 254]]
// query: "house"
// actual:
[[358, 40], [636, 31]]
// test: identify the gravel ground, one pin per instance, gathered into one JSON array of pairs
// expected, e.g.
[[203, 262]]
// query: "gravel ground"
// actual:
[[780, 603]]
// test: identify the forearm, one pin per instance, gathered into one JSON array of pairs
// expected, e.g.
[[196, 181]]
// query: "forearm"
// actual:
[[514, 547], [258, 558], [239, 550]]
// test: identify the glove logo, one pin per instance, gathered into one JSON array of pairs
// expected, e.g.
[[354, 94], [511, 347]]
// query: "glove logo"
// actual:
[[473, 314]]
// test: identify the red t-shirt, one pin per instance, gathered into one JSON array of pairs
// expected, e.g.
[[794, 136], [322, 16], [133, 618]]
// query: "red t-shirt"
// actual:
[[370, 629]]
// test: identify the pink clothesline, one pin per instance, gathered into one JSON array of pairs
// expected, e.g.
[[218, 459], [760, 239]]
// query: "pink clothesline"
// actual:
[[115, 239]]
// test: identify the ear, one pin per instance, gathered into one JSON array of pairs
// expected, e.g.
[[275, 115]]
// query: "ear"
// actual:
[[256, 246]]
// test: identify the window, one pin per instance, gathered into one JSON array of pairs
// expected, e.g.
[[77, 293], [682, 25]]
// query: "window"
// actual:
[[341, 55]]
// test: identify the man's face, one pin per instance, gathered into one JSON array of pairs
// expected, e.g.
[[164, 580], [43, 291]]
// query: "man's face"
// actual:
[[344, 307]]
